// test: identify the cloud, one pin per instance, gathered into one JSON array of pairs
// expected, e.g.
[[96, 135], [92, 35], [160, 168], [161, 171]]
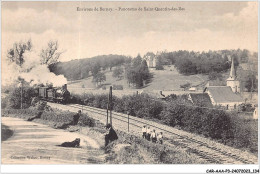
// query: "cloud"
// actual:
[[26, 20], [202, 26]]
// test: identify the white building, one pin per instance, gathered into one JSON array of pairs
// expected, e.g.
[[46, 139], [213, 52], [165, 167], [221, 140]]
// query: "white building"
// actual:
[[151, 60]]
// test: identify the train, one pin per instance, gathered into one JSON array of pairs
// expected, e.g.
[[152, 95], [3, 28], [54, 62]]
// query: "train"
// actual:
[[54, 94]]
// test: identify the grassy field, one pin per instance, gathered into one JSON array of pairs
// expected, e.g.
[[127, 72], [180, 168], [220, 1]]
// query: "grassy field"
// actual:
[[165, 80]]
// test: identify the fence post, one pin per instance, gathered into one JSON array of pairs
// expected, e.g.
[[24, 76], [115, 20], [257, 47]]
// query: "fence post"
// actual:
[[82, 108]]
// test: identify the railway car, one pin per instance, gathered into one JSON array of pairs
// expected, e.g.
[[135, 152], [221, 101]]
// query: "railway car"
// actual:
[[54, 94], [43, 92]]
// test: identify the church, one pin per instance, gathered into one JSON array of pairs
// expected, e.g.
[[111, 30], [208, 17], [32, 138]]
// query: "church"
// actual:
[[228, 96]]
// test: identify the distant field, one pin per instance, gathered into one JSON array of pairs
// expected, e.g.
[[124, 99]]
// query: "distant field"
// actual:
[[164, 80]]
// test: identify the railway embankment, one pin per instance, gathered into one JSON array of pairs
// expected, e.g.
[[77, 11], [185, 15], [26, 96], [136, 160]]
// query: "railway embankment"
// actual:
[[204, 148]]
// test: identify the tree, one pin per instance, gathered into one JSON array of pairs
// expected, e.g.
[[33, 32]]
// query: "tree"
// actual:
[[129, 73], [214, 76], [235, 59], [144, 70], [137, 61], [137, 73], [50, 55], [95, 68], [99, 78], [251, 83], [118, 73], [159, 66], [15, 54]]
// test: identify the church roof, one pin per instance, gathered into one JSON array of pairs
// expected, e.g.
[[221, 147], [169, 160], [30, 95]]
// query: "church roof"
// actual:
[[201, 99], [223, 94]]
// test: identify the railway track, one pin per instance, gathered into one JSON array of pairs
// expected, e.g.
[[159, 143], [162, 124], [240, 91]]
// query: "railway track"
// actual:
[[203, 150]]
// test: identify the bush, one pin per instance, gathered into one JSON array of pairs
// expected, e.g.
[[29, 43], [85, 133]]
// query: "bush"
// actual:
[[21, 113], [244, 134], [4, 103], [159, 67], [246, 107], [13, 98], [118, 87], [57, 117]]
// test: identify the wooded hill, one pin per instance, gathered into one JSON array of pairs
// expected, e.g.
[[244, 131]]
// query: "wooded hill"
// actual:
[[83, 68]]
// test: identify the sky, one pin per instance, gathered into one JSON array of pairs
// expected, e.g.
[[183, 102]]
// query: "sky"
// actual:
[[201, 26]]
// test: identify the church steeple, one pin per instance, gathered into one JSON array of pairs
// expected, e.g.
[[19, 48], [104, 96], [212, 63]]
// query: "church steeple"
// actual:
[[232, 70], [232, 79]]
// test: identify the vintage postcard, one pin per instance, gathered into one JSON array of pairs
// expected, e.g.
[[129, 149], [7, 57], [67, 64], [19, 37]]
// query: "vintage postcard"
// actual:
[[149, 82]]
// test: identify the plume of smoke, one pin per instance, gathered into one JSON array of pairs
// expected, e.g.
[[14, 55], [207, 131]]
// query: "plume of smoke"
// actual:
[[32, 60], [10, 73], [42, 75], [31, 71]]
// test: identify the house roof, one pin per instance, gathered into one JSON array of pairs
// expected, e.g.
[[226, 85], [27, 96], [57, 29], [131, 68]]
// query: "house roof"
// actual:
[[201, 99], [223, 94]]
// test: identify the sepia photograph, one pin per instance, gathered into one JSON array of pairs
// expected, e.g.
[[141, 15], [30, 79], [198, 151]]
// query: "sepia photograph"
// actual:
[[149, 82]]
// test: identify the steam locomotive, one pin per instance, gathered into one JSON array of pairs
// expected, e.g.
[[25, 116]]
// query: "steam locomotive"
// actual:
[[54, 94]]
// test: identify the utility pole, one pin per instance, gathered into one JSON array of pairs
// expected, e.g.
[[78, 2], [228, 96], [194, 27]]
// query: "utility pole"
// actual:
[[21, 93], [128, 121], [111, 105], [108, 101], [20, 63]]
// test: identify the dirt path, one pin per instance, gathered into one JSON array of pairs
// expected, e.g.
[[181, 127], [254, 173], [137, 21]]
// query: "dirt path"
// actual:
[[34, 143]]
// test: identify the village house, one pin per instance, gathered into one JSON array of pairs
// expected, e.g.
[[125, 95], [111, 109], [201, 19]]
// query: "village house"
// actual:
[[151, 60]]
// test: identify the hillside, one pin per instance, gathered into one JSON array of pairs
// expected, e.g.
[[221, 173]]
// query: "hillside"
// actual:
[[167, 80], [83, 68]]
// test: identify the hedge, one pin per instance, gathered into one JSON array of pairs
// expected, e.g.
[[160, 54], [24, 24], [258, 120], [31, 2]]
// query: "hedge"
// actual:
[[216, 124], [57, 117]]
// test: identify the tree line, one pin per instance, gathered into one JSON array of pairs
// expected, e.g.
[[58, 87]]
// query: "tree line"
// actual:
[[190, 62], [83, 68]]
